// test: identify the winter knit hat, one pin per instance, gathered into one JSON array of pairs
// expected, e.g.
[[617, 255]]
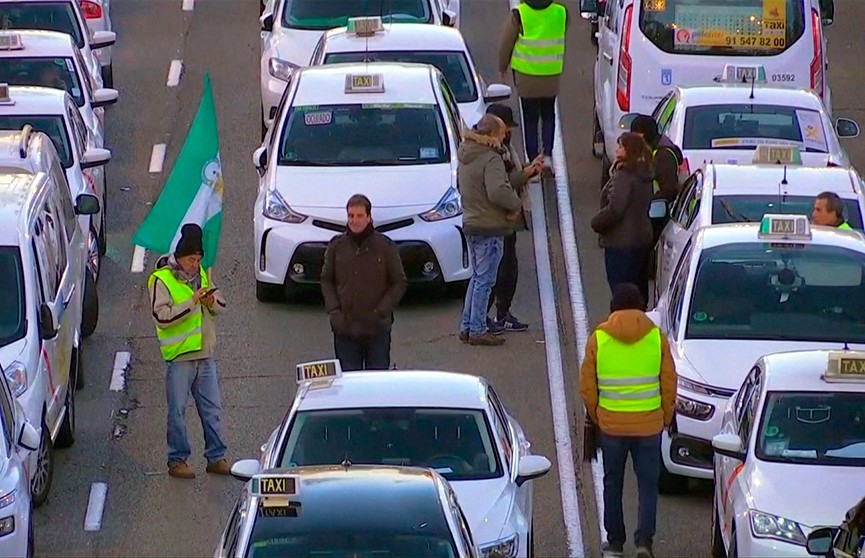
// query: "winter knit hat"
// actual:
[[626, 296], [190, 241]]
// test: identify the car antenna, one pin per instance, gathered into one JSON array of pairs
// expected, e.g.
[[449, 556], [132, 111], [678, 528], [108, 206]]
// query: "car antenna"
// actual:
[[753, 80], [846, 346], [346, 462]]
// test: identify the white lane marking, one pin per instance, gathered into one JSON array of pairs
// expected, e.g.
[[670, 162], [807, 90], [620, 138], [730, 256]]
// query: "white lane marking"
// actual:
[[575, 286], [118, 375], [157, 157], [188, 5], [138, 256], [174, 71], [95, 506]]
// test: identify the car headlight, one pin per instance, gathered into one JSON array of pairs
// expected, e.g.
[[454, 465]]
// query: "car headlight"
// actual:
[[276, 208], [502, 548], [7, 499], [694, 387], [281, 69], [768, 526], [7, 526], [16, 374], [694, 409], [450, 205]]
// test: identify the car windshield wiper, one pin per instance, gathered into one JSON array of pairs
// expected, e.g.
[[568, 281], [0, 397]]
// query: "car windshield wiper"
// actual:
[[738, 217], [306, 163]]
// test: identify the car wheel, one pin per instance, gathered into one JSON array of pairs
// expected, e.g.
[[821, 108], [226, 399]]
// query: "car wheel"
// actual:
[[108, 75], [31, 552], [595, 29], [598, 148], [532, 540], [90, 313], [734, 546], [718, 550], [102, 239], [669, 483], [268, 292], [605, 170], [40, 484], [79, 369], [94, 254], [263, 125], [66, 436]]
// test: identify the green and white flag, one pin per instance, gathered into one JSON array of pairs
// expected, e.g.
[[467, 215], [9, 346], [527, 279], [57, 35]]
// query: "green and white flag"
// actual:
[[193, 192]]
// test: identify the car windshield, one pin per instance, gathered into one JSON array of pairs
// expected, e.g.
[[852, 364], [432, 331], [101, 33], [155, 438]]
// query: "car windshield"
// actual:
[[357, 135], [723, 27], [456, 443], [42, 16], [12, 315], [52, 126], [453, 65], [784, 292], [747, 126], [58, 73], [813, 428], [751, 208], [322, 15]]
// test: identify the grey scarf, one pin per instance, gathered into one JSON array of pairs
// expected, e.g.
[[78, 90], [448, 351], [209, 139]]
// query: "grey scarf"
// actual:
[[193, 280]]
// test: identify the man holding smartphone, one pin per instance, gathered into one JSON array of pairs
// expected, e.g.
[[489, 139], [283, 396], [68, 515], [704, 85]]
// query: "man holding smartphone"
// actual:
[[183, 306]]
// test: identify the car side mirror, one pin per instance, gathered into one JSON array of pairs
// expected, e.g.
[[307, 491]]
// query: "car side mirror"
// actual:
[[626, 120], [104, 97], [102, 39], [86, 204], [820, 541], [847, 128], [658, 209], [95, 157], [449, 18], [28, 437], [259, 159], [589, 9], [267, 22], [47, 321], [729, 445], [532, 467], [497, 92], [245, 469]]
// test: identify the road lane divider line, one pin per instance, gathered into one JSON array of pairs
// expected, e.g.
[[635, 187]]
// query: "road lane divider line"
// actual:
[[188, 5], [95, 506], [138, 256], [175, 69], [577, 296], [157, 158], [118, 374]]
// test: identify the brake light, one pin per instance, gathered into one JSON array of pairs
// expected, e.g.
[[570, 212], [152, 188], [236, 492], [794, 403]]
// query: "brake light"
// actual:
[[817, 62], [92, 10], [623, 80]]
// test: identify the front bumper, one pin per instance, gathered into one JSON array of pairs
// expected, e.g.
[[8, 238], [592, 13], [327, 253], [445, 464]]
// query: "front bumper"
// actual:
[[748, 545], [689, 452]]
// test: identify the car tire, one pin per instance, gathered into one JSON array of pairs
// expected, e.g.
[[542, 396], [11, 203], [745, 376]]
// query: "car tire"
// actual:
[[718, 550], [734, 546], [268, 292], [595, 29], [40, 484], [669, 483], [605, 170], [66, 436], [79, 369], [31, 547], [90, 311], [531, 552], [263, 125], [102, 239], [108, 75], [598, 149]]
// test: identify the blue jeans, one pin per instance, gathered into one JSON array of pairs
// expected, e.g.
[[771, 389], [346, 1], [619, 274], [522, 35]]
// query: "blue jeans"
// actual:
[[646, 454], [199, 377], [485, 253]]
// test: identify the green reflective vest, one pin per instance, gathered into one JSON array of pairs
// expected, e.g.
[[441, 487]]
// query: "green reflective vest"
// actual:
[[844, 225], [629, 374], [540, 48], [182, 336]]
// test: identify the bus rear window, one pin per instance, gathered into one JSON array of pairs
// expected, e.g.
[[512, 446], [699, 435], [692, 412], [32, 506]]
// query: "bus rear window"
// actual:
[[723, 27]]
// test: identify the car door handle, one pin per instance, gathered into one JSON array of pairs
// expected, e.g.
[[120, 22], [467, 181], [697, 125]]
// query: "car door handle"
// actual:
[[609, 57], [68, 298]]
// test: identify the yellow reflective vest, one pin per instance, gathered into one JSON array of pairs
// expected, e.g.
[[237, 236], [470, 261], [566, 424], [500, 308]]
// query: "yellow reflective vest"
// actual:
[[844, 225], [184, 335], [540, 48], [629, 374]]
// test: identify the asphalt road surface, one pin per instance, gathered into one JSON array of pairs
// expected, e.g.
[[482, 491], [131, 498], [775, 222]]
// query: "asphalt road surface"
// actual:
[[121, 435]]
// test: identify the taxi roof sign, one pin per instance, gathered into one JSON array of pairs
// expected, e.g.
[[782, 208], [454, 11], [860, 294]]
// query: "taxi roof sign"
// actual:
[[785, 227], [365, 26], [364, 83], [846, 366], [274, 489], [734, 73], [10, 41], [319, 370], [768, 154]]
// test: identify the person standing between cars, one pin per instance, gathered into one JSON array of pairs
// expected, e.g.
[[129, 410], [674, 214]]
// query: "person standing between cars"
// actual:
[[362, 282], [829, 211], [623, 222], [533, 44], [491, 206], [183, 304], [628, 385], [508, 272], [666, 158]]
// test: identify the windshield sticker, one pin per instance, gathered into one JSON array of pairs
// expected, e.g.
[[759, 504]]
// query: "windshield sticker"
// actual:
[[720, 143], [443, 470], [318, 118], [731, 26], [654, 5], [775, 17], [811, 126], [396, 106], [429, 153], [69, 65]]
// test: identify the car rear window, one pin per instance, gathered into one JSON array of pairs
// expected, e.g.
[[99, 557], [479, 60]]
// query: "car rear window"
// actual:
[[327, 14], [723, 27], [12, 318], [42, 16], [747, 126], [52, 126], [752, 208]]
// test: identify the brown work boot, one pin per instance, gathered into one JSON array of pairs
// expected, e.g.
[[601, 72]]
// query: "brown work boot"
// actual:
[[180, 470], [464, 337], [487, 339], [219, 467]]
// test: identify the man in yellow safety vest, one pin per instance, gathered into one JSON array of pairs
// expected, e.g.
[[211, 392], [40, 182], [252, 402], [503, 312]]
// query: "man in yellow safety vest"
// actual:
[[183, 305], [829, 211], [533, 45], [628, 385]]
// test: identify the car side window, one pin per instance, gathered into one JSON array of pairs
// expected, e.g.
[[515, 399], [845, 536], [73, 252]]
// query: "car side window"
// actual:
[[50, 235], [233, 531], [659, 108], [61, 239], [67, 209], [85, 75], [612, 15], [81, 130], [451, 109], [44, 266], [691, 203], [501, 426], [679, 202], [8, 410], [748, 407], [666, 115]]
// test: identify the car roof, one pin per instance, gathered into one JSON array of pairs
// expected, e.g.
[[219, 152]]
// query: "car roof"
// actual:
[[39, 43], [35, 100], [803, 371], [801, 180], [729, 233], [397, 36], [398, 388], [15, 190], [325, 85], [739, 93]]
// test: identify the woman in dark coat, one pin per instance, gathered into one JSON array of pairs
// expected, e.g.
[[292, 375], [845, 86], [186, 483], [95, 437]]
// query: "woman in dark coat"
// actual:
[[623, 221]]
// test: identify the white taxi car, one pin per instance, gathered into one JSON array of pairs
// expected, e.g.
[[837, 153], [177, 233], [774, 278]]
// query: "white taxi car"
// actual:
[[97, 13], [791, 452], [290, 29], [452, 423], [741, 291], [368, 40], [723, 193], [381, 129], [54, 112]]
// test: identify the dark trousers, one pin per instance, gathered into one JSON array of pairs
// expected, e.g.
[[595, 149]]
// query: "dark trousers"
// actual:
[[506, 279], [366, 353], [646, 455], [541, 109], [627, 265]]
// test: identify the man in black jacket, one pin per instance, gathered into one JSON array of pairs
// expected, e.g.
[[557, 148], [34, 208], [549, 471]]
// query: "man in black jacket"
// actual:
[[666, 158]]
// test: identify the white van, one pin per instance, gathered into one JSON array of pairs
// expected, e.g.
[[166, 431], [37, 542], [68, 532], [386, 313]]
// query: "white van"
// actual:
[[645, 47], [43, 278]]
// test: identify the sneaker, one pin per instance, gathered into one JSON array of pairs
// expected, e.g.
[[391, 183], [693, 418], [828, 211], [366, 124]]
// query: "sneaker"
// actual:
[[180, 470], [495, 327], [645, 551], [487, 339], [612, 551], [219, 467], [464, 336], [511, 323]]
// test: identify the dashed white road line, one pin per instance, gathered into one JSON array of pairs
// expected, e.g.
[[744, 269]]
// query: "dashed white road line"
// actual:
[[118, 375], [95, 506], [157, 158], [174, 72], [188, 5], [138, 256]]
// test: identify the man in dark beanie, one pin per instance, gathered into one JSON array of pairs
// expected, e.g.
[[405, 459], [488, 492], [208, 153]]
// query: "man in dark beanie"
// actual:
[[628, 385], [666, 157], [183, 305]]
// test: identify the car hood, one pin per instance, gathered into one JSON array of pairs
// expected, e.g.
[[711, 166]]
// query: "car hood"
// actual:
[[487, 505], [295, 45], [395, 192], [699, 158]]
